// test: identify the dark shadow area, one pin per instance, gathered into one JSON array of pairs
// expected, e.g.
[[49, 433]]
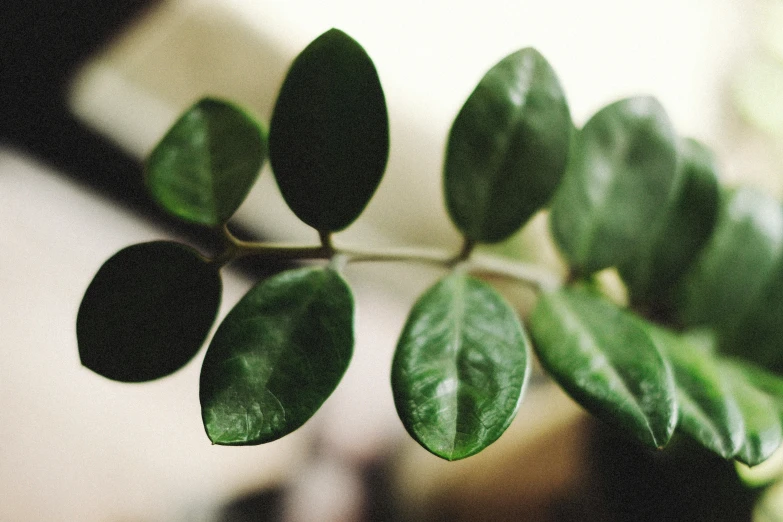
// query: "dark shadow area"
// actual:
[[42, 45]]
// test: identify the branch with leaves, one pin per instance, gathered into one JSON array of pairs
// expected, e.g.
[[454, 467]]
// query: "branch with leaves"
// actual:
[[699, 350]]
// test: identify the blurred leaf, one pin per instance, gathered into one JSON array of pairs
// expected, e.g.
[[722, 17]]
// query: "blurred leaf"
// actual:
[[203, 168], [460, 367], [736, 285], [606, 362], [620, 176], [329, 135], [708, 411], [277, 357], [147, 311], [681, 231], [763, 432], [508, 147], [769, 383]]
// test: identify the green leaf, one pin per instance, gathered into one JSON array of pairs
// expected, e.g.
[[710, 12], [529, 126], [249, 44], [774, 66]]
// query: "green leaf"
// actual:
[[277, 357], [708, 411], [460, 367], [147, 311], [329, 135], [736, 285], [763, 432], [620, 176], [680, 233], [606, 362], [508, 147], [765, 381], [203, 168]]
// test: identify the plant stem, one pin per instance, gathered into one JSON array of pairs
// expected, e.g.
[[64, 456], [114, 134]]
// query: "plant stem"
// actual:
[[530, 275]]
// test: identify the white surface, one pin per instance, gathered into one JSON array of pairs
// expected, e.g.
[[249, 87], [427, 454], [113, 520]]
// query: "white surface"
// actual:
[[73, 445]]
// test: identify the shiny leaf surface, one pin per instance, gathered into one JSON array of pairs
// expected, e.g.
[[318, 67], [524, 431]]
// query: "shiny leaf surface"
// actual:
[[507, 148], [708, 411], [277, 357], [459, 368], [606, 362], [329, 134], [203, 168], [620, 176], [147, 311]]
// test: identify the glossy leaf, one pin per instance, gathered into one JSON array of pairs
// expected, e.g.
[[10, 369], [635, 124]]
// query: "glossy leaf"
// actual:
[[329, 134], [277, 357], [763, 432], [507, 148], [606, 362], [203, 168], [682, 230], [736, 285], [620, 176], [459, 368], [708, 411], [147, 311]]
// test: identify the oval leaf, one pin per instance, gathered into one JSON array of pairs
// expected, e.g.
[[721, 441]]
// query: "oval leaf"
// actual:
[[685, 226], [329, 134], [460, 367], [763, 432], [736, 285], [277, 357], [508, 147], [738, 261], [606, 362], [147, 311], [708, 411], [620, 177], [203, 168]]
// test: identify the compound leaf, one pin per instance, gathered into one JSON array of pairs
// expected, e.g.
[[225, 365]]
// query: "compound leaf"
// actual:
[[203, 168], [507, 148], [329, 134], [147, 311], [620, 176], [277, 357], [607, 362], [459, 368]]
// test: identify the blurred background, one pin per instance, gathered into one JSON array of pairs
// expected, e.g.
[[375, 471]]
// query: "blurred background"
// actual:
[[86, 89]]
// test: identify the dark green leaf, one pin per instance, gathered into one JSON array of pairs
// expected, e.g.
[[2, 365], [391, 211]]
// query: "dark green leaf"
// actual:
[[763, 433], [736, 285], [708, 411], [329, 135], [147, 311], [206, 164], [758, 335], [277, 357], [508, 147], [620, 176], [460, 367], [677, 237], [606, 362]]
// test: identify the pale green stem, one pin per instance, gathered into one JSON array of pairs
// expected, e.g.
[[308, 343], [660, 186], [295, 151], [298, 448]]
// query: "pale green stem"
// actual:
[[531, 275]]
